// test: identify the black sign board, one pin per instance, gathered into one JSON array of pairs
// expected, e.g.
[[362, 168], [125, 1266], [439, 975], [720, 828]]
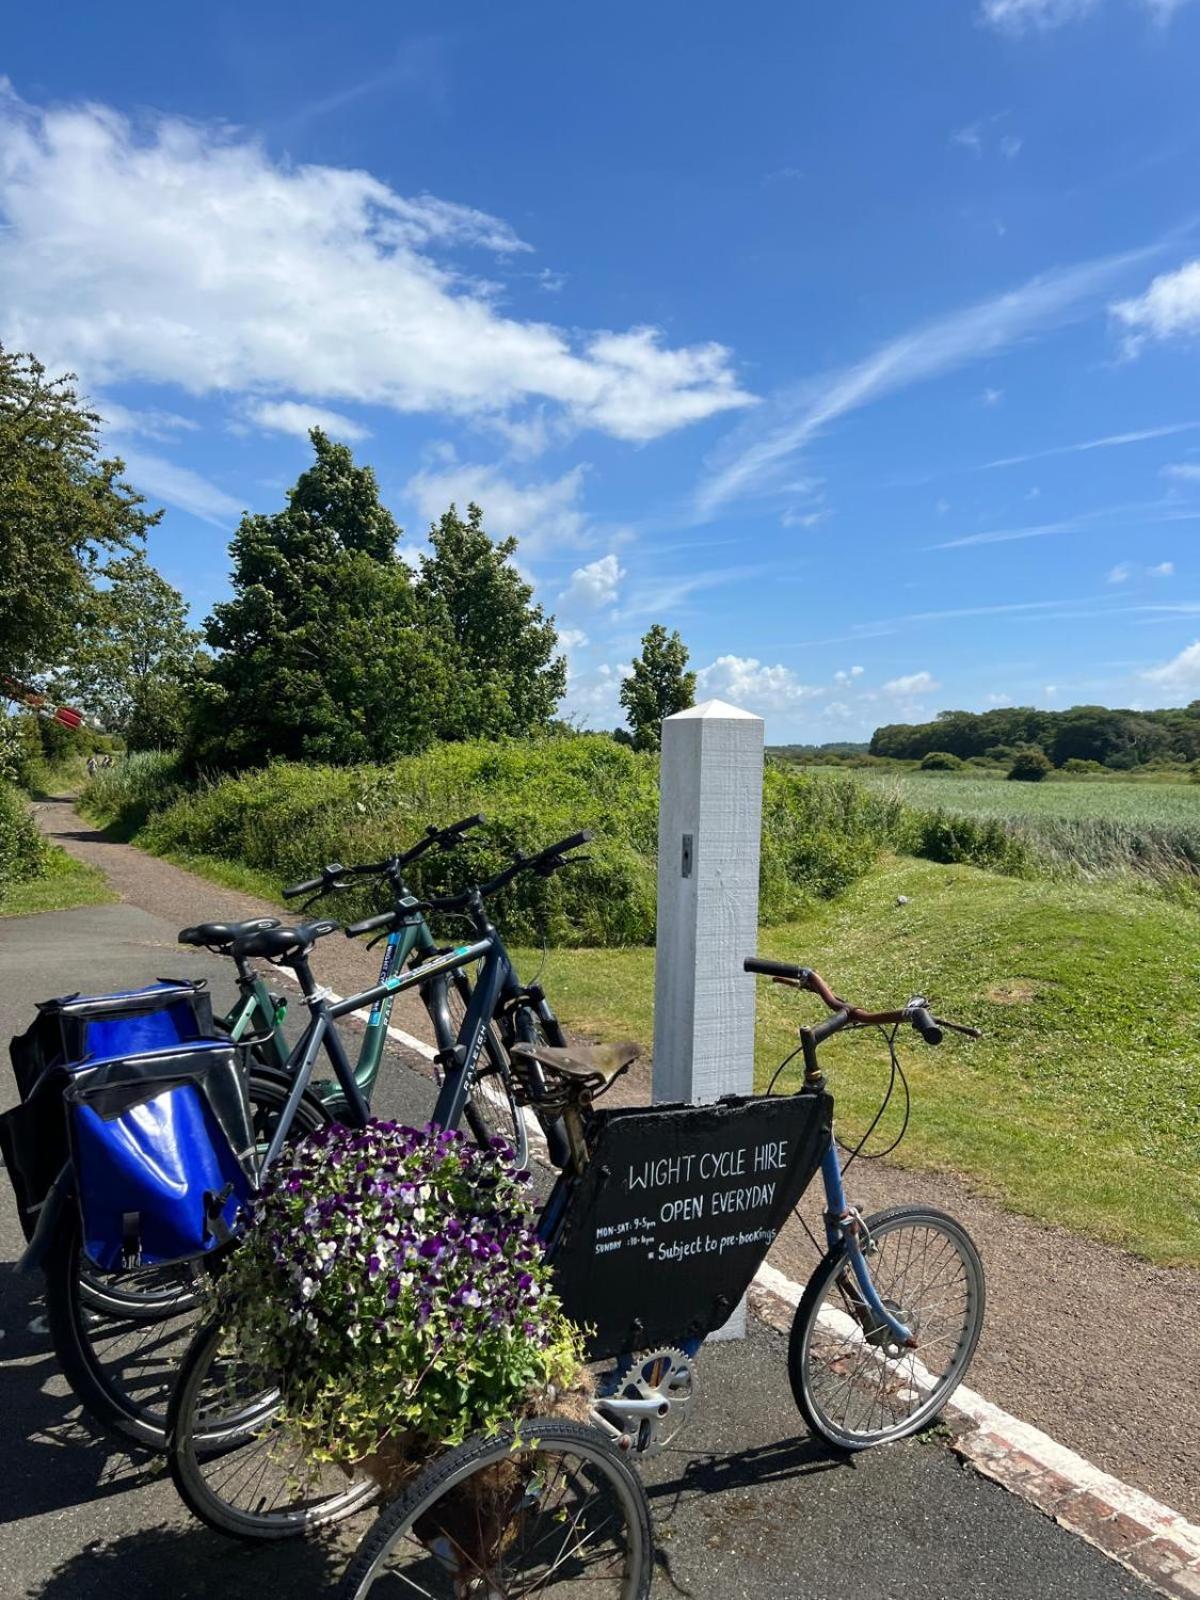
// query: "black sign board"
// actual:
[[660, 1237]]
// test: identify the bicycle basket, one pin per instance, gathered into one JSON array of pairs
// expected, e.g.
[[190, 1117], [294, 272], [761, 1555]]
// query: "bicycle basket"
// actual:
[[163, 1152], [659, 1238], [80, 1027]]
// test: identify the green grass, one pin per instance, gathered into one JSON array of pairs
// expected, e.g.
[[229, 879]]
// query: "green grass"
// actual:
[[1164, 804], [65, 884], [1080, 1106]]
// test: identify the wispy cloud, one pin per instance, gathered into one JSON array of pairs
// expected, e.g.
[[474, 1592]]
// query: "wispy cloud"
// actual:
[[161, 479], [1154, 511], [298, 418], [755, 456], [1184, 471], [656, 596], [1110, 441], [1169, 309]]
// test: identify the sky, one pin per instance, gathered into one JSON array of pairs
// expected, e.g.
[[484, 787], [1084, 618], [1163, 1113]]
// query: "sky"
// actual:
[[859, 343]]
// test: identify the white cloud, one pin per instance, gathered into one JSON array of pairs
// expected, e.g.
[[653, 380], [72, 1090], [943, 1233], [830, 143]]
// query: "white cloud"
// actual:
[[755, 456], [1184, 471], [295, 417], [914, 683], [1169, 308], [1107, 443], [142, 423], [1181, 675], [992, 397], [596, 584], [593, 697], [572, 638], [538, 514], [181, 253], [742, 680], [1164, 569], [845, 677], [1021, 16], [1050, 690], [999, 697], [1011, 145], [160, 479], [1120, 573]]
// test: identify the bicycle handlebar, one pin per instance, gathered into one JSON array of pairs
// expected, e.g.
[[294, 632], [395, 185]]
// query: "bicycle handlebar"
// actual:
[[845, 1015], [334, 876], [385, 919], [545, 863]]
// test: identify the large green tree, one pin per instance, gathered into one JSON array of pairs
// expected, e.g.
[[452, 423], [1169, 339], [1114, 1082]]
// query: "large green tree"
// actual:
[[320, 653], [499, 648], [658, 686], [133, 659], [62, 507]]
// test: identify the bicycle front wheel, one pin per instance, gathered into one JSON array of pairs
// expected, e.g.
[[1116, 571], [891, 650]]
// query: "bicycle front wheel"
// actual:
[[854, 1385], [233, 1464], [491, 1110], [550, 1510]]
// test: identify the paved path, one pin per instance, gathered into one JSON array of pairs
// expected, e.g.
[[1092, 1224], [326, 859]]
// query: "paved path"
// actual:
[[747, 1505]]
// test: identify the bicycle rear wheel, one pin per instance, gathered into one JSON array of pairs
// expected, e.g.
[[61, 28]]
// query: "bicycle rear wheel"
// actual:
[[551, 1510], [854, 1385], [120, 1337]]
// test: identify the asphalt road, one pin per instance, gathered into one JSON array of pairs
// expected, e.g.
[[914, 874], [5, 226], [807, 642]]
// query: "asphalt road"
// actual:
[[745, 1504]]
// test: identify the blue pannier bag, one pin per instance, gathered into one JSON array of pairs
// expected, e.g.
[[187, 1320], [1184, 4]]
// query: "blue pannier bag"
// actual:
[[162, 1146], [68, 1035]]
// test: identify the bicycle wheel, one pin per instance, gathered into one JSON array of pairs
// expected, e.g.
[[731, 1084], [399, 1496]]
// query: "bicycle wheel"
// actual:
[[853, 1384], [548, 1511], [119, 1337], [491, 1109], [233, 1464], [528, 1028]]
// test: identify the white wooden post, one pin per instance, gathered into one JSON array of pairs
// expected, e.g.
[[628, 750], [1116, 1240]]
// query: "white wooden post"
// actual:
[[709, 828]]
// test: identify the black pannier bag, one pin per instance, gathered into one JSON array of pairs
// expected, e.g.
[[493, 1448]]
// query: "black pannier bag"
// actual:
[[678, 1206], [162, 1151], [70, 1033]]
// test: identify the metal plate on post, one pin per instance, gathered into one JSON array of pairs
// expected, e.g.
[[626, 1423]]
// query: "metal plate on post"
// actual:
[[685, 863]]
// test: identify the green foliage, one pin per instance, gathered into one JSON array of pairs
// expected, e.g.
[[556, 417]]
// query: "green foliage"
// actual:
[[1030, 766], [940, 761], [1120, 740], [124, 795], [503, 676], [61, 508], [132, 657], [659, 686], [22, 854], [394, 1284], [819, 834], [321, 658], [940, 835]]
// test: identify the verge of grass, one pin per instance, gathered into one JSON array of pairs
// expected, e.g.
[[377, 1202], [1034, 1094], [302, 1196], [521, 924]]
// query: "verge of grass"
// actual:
[[1080, 1106], [65, 884]]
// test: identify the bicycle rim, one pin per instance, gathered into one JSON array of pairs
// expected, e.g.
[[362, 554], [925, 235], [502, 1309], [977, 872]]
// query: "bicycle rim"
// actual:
[[560, 1515], [235, 1466], [854, 1385]]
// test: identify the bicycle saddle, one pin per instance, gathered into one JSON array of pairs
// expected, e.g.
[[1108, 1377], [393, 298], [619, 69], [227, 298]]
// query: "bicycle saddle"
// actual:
[[219, 936], [284, 945], [591, 1063]]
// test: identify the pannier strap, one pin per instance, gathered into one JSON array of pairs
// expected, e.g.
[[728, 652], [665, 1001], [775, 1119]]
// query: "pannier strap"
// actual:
[[131, 1240], [214, 1217]]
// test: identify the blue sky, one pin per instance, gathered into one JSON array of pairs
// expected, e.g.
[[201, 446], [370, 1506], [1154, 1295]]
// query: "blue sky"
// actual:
[[861, 344]]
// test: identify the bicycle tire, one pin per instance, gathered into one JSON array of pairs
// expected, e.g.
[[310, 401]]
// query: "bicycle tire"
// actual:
[[209, 1452], [398, 1531], [868, 1370], [126, 1390], [528, 1027]]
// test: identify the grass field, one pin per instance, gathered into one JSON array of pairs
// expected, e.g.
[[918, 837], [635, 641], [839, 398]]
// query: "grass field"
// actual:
[[1082, 1103], [65, 884], [1156, 804]]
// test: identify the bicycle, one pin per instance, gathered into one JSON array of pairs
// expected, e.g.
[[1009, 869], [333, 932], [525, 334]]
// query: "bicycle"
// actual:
[[118, 1336], [223, 1449], [874, 1313]]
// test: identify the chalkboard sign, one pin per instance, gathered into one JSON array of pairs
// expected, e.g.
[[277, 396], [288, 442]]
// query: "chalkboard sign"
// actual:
[[660, 1237]]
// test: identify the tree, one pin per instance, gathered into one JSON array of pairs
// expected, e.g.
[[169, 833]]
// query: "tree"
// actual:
[[940, 761], [62, 507], [1030, 766], [321, 657], [133, 656], [658, 686], [499, 648]]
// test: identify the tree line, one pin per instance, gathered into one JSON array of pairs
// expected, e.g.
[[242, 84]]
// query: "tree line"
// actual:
[[331, 647], [1117, 739]]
